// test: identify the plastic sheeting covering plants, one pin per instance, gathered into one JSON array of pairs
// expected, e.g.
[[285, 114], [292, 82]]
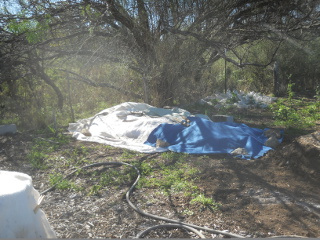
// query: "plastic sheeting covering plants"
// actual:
[[144, 128], [126, 125], [238, 99], [203, 136]]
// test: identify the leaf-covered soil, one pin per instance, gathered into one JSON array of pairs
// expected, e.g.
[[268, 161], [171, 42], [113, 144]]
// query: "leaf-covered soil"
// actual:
[[277, 194]]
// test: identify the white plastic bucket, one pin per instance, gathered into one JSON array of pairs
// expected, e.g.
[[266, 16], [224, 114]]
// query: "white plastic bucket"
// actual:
[[20, 216]]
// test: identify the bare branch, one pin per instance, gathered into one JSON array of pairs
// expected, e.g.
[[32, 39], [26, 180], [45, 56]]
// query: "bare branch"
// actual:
[[95, 84]]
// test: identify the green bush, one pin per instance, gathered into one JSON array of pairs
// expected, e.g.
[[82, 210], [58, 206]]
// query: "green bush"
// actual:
[[296, 115]]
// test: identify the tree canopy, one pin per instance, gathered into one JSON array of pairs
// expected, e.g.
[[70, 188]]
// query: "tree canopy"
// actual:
[[165, 47]]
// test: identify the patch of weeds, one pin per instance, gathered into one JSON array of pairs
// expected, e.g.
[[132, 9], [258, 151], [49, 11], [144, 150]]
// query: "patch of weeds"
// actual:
[[61, 139], [37, 159], [204, 157], [148, 182], [127, 154], [291, 117], [205, 201], [187, 212], [77, 156], [39, 153], [79, 151], [312, 112], [110, 178], [95, 190], [108, 147], [42, 147], [62, 184], [295, 113], [174, 156], [284, 115], [83, 161], [182, 186], [174, 178], [145, 168]]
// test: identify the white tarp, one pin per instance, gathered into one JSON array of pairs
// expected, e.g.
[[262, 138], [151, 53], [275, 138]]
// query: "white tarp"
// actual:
[[126, 125]]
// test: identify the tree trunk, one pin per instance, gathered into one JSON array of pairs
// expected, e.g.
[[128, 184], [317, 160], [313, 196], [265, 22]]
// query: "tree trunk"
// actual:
[[145, 89], [276, 83], [38, 70]]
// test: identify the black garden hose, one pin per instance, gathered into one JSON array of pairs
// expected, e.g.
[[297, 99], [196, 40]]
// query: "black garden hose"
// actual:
[[190, 229], [174, 223]]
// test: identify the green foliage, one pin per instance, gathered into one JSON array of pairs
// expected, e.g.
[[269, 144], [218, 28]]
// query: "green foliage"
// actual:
[[182, 66], [187, 212], [145, 168], [295, 113], [95, 190], [174, 177], [249, 78], [109, 178], [34, 31], [37, 159], [127, 154], [174, 156], [88, 11], [62, 184], [290, 92], [205, 201], [114, 177], [317, 96], [300, 63], [170, 172], [76, 156], [38, 155]]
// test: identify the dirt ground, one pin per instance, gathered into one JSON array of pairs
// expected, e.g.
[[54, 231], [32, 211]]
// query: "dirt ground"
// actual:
[[278, 194]]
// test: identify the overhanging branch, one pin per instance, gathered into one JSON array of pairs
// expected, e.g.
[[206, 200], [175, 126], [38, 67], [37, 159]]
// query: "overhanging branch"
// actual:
[[94, 84], [217, 46]]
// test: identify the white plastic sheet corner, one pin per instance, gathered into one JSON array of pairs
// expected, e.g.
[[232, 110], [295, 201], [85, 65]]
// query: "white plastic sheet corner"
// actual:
[[126, 125]]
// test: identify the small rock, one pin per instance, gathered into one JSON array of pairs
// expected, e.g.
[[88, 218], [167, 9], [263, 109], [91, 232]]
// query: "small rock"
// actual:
[[162, 144], [239, 151], [272, 142], [251, 191], [86, 132], [73, 195]]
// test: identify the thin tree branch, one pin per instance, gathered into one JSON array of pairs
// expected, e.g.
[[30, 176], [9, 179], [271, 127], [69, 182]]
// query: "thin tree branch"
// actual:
[[95, 84]]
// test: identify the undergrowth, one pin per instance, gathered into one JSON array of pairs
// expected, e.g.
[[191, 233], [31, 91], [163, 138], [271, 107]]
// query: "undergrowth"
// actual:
[[168, 173], [174, 175], [296, 113], [39, 153]]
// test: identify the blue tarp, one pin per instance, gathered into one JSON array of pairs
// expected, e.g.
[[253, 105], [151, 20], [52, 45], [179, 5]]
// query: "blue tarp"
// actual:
[[206, 137]]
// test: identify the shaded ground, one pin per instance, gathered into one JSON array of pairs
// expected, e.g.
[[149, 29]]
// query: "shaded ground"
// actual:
[[278, 194]]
